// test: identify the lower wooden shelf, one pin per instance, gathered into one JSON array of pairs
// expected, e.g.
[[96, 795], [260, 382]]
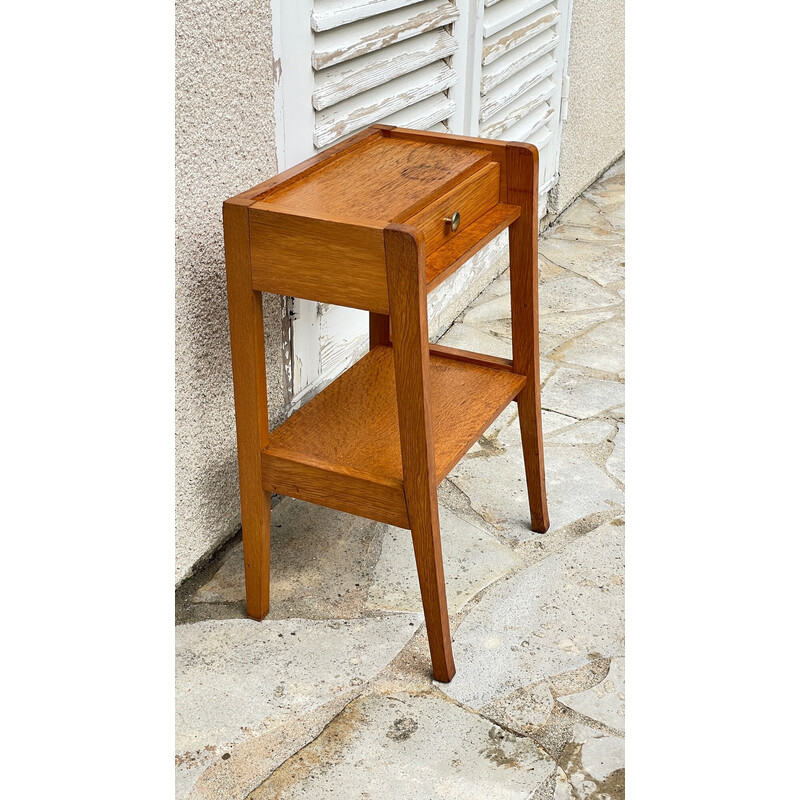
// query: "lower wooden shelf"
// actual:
[[345, 441]]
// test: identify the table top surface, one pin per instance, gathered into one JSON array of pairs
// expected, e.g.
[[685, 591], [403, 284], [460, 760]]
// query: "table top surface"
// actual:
[[379, 179]]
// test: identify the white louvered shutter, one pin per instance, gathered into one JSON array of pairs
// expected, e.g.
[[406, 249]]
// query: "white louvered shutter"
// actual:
[[381, 61], [523, 49], [370, 61]]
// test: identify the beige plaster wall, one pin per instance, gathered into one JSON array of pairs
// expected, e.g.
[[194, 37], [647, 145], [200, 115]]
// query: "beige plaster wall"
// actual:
[[594, 131], [224, 144]]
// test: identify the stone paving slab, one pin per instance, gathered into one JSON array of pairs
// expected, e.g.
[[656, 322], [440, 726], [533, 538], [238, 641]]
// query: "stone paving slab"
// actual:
[[321, 562], [549, 618], [492, 477], [332, 695], [405, 746], [601, 262], [238, 677], [574, 293], [591, 767], [604, 702], [473, 559], [575, 393], [601, 348]]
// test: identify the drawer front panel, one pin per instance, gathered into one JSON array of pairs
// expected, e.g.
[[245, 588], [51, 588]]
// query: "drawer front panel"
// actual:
[[470, 200]]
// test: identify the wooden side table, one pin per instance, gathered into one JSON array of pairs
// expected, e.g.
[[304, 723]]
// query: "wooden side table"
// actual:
[[375, 223]]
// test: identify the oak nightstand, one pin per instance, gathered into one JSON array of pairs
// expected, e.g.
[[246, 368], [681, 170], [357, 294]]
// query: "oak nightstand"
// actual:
[[375, 223]]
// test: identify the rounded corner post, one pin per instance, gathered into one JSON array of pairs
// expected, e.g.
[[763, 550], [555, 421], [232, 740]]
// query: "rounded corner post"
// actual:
[[523, 239]]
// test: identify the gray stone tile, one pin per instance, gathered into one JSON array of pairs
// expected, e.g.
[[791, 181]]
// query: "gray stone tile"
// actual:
[[573, 293], [494, 309], [524, 710], [583, 213], [549, 618], [236, 678], [468, 337], [592, 766], [616, 461], [576, 487], [410, 746], [603, 232], [604, 702], [572, 392], [552, 421], [593, 431], [610, 198], [320, 564], [601, 261], [494, 482], [557, 329], [601, 348], [473, 559]]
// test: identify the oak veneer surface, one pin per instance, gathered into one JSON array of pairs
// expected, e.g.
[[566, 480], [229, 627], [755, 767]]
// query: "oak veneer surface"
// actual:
[[445, 260], [353, 423], [471, 198], [379, 179]]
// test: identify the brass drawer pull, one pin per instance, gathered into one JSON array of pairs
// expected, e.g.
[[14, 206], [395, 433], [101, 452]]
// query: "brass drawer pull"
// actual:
[[454, 221]]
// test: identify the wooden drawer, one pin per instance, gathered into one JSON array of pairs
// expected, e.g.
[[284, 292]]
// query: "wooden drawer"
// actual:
[[470, 199]]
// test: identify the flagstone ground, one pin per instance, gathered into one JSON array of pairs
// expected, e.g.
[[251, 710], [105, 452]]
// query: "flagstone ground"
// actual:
[[332, 697]]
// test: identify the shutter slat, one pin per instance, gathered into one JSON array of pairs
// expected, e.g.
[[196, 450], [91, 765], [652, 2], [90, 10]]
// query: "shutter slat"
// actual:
[[424, 115], [489, 3], [493, 128], [522, 131], [507, 39], [373, 105], [367, 35], [328, 14], [353, 77], [501, 15], [510, 90], [542, 138], [515, 60], [440, 127]]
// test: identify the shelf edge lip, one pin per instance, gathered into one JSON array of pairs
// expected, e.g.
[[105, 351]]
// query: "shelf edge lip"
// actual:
[[300, 458], [511, 216], [471, 357]]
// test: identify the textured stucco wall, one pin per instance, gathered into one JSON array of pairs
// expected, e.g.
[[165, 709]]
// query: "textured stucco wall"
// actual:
[[224, 145], [594, 132]]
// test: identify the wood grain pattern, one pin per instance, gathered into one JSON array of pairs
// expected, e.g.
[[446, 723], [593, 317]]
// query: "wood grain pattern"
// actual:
[[405, 266], [250, 401], [523, 237], [347, 147], [350, 490], [496, 147], [473, 197], [384, 178], [467, 242], [353, 422], [317, 258]]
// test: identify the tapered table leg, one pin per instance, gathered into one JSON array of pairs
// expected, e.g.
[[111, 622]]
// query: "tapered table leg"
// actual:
[[523, 237], [405, 260], [250, 399]]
